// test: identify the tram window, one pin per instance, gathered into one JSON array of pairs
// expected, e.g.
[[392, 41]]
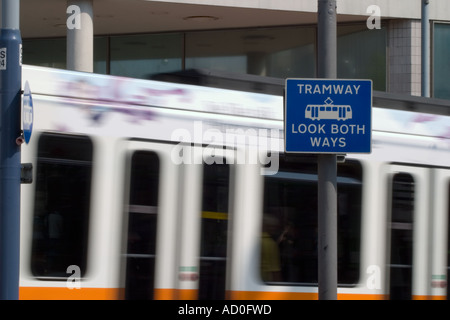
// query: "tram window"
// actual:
[[61, 207], [289, 233], [142, 225], [214, 231], [402, 211]]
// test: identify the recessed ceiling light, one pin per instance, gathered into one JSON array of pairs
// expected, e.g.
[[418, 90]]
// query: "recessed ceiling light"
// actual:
[[201, 18]]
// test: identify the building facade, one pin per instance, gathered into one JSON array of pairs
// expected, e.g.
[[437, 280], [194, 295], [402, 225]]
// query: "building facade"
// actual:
[[376, 39]]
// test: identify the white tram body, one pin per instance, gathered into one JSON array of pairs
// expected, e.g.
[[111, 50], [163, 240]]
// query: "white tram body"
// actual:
[[95, 137]]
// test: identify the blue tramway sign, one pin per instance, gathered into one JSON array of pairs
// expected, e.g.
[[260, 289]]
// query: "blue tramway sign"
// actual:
[[27, 113], [328, 116]]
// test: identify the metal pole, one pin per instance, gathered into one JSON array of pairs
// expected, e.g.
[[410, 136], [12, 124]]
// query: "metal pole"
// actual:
[[327, 163], [10, 99], [425, 49], [80, 35]]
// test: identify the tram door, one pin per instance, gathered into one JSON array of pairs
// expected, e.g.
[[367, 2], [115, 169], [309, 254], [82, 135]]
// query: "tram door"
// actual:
[[205, 225], [408, 232], [151, 204]]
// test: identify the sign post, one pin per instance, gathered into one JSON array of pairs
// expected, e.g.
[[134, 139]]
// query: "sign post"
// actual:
[[327, 117], [327, 163], [10, 96]]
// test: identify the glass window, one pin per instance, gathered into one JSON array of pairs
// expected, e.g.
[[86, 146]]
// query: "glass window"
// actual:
[[295, 56], [289, 237], [52, 53], [45, 52], [62, 201], [367, 59], [142, 225], [215, 50], [214, 231], [101, 55], [275, 52], [140, 56], [441, 67], [402, 212]]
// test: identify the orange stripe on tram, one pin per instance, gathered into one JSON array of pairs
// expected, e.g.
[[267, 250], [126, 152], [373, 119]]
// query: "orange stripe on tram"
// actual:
[[63, 293]]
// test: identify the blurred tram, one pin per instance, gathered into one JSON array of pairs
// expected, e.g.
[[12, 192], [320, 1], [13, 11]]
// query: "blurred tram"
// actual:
[[152, 189]]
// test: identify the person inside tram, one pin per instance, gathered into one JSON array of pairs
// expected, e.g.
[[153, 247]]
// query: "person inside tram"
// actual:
[[270, 255]]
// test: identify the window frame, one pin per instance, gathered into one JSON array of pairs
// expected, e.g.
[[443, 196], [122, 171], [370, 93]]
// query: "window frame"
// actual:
[[307, 167], [42, 246]]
